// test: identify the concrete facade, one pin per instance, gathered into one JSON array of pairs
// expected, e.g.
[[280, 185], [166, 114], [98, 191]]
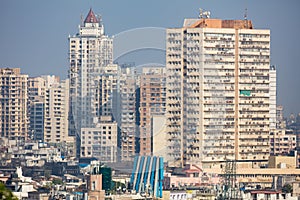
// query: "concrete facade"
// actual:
[[158, 132], [282, 142], [128, 110], [218, 100], [13, 107], [36, 103], [89, 52], [273, 95], [152, 102], [56, 112], [100, 142]]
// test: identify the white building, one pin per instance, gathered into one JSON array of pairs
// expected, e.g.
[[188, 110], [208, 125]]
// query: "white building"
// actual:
[[217, 92], [89, 51], [107, 93], [273, 93], [36, 154], [100, 142]]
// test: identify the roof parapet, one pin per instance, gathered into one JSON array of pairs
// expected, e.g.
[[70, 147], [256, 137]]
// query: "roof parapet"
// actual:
[[218, 23]]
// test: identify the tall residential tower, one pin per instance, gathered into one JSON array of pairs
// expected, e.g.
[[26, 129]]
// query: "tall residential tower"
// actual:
[[129, 114], [13, 104], [152, 102], [217, 92], [90, 50]]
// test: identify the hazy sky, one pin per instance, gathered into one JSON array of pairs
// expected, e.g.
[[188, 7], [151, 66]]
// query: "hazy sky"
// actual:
[[34, 33]]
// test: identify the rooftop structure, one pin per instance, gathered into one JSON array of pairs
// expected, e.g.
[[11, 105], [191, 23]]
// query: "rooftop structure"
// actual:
[[91, 17]]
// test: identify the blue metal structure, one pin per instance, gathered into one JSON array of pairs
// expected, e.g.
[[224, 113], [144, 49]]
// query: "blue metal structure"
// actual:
[[147, 175]]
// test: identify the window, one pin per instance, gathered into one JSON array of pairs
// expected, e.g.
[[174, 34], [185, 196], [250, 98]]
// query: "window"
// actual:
[[93, 185]]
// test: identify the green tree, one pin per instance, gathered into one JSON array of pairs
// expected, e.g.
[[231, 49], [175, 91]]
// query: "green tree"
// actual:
[[287, 188], [57, 182], [6, 193], [47, 174]]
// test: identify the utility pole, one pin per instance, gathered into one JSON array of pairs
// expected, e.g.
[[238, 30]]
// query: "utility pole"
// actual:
[[230, 185]]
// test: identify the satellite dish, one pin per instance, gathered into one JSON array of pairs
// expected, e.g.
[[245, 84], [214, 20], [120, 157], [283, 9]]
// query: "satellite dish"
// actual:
[[204, 14]]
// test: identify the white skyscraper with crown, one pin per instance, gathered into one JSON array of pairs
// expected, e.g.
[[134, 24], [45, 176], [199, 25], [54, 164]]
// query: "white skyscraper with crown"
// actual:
[[90, 50]]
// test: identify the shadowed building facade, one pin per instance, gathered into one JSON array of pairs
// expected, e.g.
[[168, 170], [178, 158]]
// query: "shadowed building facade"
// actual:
[[152, 102]]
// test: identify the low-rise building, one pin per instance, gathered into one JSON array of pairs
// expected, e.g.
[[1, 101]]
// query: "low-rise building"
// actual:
[[282, 142], [38, 196], [267, 194], [189, 177], [100, 142], [280, 170], [36, 154]]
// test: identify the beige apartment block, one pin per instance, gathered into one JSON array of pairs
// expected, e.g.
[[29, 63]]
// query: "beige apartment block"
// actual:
[[48, 111], [36, 89], [278, 171], [56, 112], [282, 142], [13, 104], [101, 141], [152, 102], [288, 162], [218, 99]]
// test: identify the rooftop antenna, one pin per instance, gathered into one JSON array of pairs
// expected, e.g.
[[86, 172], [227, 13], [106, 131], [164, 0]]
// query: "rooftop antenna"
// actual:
[[200, 13], [99, 17], [246, 14], [204, 14], [246, 18], [81, 19], [246, 10]]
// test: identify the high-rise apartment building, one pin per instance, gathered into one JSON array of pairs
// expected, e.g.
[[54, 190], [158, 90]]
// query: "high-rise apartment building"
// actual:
[[89, 51], [36, 105], [273, 95], [48, 112], [13, 104], [107, 93], [56, 112], [128, 110], [217, 92], [152, 102]]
